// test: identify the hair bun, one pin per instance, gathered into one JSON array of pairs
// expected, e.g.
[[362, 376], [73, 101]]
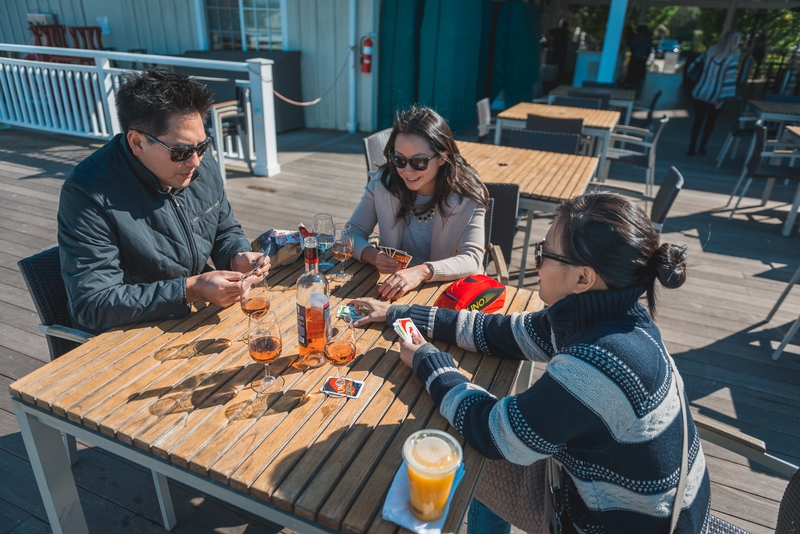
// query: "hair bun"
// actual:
[[670, 265]]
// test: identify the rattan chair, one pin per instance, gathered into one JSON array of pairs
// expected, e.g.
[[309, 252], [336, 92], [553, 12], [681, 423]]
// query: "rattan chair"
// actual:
[[562, 143], [591, 95], [575, 102], [551, 124], [373, 151], [599, 85], [502, 224]]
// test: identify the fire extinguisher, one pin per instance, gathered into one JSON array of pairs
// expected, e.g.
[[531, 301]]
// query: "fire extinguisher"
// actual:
[[366, 54]]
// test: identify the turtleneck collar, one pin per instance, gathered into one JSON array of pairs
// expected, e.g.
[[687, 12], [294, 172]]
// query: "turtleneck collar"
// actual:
[[574, 314]]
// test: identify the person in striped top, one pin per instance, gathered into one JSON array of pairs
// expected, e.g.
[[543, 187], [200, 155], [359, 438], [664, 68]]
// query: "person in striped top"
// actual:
[[607, 408], [717, 83]]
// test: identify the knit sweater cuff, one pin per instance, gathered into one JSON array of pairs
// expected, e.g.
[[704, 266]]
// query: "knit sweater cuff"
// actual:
[[437, 371], [423, 316]]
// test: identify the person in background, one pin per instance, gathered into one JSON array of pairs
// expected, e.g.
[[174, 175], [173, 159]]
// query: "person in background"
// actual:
[[717, 83], [139, 219], [560, 38], [426, 201], [640, 50], [607, 408], [759, 52]]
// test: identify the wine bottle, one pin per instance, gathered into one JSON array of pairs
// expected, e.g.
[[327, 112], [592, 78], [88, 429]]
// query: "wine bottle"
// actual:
[[313, 308]]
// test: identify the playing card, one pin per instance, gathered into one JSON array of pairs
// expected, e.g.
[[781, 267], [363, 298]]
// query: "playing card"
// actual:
[[350, 312], [405, 328], [403, 257], [350, 388]]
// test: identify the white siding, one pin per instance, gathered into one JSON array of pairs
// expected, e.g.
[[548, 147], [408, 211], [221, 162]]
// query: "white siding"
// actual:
[[320, 29]]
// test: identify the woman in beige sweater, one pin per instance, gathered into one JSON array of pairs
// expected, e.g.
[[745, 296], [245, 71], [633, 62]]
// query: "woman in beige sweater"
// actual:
[[427, 201]]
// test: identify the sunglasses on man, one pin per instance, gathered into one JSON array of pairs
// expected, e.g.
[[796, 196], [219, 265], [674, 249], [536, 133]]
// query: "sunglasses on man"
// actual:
[[181, 152], [539, 254], [418, 164]]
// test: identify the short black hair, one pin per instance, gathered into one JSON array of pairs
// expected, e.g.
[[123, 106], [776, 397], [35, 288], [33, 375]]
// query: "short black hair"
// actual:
[[146, 100]]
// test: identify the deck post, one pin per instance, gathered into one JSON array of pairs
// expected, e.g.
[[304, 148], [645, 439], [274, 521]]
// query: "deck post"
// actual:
[[608, 59], [263, 105], [108, 96]]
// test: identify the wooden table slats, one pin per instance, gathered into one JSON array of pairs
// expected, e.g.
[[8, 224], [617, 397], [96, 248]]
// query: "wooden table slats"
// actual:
[[180, 390], [594, 118]]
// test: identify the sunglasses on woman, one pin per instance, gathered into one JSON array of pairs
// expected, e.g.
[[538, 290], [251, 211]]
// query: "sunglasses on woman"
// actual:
[[418, 164], [539, 253], [181, 152]]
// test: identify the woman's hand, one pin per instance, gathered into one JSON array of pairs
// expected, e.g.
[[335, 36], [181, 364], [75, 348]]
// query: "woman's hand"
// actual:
[[375, 310], [404, 281], [407, 350], [386, 264]]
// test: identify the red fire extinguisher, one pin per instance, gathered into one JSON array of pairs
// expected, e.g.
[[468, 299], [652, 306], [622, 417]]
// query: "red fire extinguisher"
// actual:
[[366, 54]]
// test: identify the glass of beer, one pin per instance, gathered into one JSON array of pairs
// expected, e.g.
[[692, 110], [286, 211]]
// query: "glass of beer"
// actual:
[[265, 344], [341, 349], [432, 457], [255, 295]]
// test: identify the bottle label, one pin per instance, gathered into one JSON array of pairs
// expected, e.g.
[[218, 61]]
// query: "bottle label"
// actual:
[[312, 326]]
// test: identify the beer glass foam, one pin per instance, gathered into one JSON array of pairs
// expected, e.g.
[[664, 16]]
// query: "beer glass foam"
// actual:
[[432, 457]]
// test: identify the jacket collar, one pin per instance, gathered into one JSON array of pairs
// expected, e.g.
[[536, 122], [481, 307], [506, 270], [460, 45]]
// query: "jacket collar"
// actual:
[[145, 175], [573, 315]]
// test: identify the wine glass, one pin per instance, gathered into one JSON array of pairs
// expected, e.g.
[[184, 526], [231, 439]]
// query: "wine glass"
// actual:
[[341, 349], [255, 295], [265, 345], [323, 229], [342, 249]]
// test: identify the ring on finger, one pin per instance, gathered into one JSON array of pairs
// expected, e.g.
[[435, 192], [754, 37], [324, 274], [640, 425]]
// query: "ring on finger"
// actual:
[[400, 285]]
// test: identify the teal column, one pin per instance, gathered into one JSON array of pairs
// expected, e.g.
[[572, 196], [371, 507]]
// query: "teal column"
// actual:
[[608, 60]]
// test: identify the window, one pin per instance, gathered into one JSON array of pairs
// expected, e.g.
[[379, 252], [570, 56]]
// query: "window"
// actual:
[[245, 24]]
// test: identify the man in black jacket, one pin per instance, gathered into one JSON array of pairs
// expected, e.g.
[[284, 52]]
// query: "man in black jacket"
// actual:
[[139, 219]]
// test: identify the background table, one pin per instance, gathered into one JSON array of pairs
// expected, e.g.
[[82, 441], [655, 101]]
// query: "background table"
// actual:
[[620, 98], [545, 179], [174, 397], [596, 122]]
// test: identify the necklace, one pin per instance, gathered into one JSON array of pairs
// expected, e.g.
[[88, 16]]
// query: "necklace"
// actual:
[[426, 217]]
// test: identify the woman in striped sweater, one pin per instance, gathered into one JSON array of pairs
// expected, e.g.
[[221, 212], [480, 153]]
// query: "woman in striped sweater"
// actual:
[[716, 84], [607, 408]]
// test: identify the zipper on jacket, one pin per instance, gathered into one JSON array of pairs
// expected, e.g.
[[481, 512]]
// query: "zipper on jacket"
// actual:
[[185, 226], [206, 212]]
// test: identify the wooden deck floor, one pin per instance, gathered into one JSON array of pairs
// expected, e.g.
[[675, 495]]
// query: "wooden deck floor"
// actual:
[[714, 325]]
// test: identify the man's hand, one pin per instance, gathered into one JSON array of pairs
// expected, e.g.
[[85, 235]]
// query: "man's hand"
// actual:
[[244, 262], [218, 287]]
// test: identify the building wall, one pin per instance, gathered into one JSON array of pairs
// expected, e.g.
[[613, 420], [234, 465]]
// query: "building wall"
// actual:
[[159, 26], [320, 30]]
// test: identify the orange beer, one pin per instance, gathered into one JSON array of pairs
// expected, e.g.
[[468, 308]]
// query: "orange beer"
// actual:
[[432, 457]]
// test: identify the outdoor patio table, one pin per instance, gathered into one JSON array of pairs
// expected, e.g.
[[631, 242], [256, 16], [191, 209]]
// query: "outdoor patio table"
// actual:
[[545, 179], [620, 98], [782, 112], [175, 397], [596, 122]]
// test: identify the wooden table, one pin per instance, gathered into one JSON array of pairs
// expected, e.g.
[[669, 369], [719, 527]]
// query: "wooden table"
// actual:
[[596, 122], [545, 179], [620, 98], [175, 397]]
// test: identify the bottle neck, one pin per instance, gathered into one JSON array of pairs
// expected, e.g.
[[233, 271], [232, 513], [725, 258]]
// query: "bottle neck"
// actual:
[[311, 255]]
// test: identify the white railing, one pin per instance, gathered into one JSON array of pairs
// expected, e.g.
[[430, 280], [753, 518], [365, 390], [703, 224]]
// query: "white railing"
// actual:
[[80, 99]]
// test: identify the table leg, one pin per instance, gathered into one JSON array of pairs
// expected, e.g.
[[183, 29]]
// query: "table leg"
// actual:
[[628, 114], [524, 262], [53, 474], [164, 500], [792, 216], [498, 130], [601, 151]]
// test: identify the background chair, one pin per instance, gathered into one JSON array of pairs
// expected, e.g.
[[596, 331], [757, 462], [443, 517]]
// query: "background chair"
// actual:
[[648, 118], [742, 127], [795, 327], [373, 151], [603, 97], [87, 37], [550, 124], [646, 158], [483, 109], [42, 275], [563, 143], [599, 85], [759, 167], [502, 224], [575, 102], [229, 128]]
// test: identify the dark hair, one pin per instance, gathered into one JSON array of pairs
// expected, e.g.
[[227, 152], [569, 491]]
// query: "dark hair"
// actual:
[[455, 176], [615, 237], [146, 100]]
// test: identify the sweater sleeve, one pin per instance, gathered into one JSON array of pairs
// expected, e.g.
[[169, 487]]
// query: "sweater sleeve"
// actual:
[[364, 218], [468, 258], [520, 336], [90, 265]]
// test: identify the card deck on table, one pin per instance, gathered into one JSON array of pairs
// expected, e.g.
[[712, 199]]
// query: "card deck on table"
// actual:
[[350, 388], [350, 313], [405, 328]]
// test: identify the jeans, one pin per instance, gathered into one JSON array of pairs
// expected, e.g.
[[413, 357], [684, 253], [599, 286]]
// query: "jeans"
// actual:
[[484, 521], [707, 112]]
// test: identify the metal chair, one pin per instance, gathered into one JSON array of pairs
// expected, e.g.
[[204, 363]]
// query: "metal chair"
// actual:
[[229, 130], [589, 95], [649, 117], [42, 275], [742, 127], [759, 167], [575, 102], [483, 109], [645, 159], [599, 85], [550, 124], [795, 327], [562, 143], [373, 151]]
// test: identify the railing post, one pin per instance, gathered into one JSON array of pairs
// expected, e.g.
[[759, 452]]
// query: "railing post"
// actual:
[[108, 95], [259, 71]]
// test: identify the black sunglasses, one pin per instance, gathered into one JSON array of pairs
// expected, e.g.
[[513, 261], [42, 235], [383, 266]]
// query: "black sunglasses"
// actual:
[[180, 153], [418, 164], [539, 253]]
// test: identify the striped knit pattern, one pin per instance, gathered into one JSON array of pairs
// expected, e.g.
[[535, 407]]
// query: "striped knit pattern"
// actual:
[[606, 409], [718, 80]]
